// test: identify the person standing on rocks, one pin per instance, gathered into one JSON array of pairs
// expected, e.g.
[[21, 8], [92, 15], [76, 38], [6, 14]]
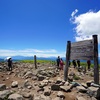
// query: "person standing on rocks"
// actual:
[[74, 63], [89, 64], [61, 64], [58, 61], [78, 63], [9, 64]]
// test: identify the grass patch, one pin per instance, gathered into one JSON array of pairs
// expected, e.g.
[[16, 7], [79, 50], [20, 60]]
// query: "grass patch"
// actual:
[[76, 77], [38, 61]]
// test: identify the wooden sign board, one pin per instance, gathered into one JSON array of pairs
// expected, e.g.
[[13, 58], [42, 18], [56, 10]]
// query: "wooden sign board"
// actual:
[[82, 50]]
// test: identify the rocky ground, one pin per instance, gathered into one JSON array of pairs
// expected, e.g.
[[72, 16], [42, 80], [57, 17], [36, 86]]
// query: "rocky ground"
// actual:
[[46, 82]]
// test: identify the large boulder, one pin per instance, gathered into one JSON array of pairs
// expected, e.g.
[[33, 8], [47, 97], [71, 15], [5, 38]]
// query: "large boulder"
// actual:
[[4, 94], [15, 97], [94, 91]]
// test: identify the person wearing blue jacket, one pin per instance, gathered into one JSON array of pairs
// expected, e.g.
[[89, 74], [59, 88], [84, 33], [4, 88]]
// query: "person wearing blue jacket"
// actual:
[[58, 61]]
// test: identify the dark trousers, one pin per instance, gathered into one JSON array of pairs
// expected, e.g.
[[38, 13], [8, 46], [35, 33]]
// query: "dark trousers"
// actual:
[[10, 67], [88, 67]]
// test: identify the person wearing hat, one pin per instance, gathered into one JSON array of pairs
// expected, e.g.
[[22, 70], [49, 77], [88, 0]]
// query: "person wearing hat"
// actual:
[[9, 64]]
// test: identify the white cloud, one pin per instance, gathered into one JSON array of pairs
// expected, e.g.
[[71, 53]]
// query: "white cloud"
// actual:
[[87, 24], [74, 12], [31, 52]]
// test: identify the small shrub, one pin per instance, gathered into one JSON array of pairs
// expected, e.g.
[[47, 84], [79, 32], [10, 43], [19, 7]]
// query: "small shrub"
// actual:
[[91, 74], [76, 77]]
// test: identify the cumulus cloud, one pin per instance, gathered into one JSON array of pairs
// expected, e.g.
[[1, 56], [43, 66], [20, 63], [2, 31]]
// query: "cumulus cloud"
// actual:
[[31, 52], [87, 24]]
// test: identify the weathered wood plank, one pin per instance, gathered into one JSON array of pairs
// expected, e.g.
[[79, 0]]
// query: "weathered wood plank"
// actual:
[[81, 54], [81, 57], [83, 46], [82, 43], [82, 50]]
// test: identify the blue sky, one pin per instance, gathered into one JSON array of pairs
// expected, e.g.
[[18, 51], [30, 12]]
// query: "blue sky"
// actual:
[[43, 27]]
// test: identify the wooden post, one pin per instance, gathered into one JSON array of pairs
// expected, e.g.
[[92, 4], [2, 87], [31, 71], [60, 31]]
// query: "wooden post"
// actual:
[[35, 62], [67, 60], [96, 67]]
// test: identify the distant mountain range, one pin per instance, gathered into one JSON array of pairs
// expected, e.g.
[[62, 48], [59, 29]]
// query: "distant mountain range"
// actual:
[[38, 58], [29, 58], [32, 58], [1, 59]]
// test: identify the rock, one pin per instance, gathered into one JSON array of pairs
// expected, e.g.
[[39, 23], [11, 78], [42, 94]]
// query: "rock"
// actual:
[[15, 97], [65, 88], [1, 67], [59, 80], [28, 95], [42, 97], [9, 73], [81, 89], [46, 81], [71, 74], [29, 87], [14, 84], [28, 84], [41, 78], [95, 85], [40, 89], [55, 87], [57, 98], [84, 85], [47, 92], [80, 98], [61, 95], [2, 87], [4, 94], [37, 97], [51, 81], [66, 83], [89, 83], [98, 93], [42, 84], [29, 74], [7, 78], [92, 91], [44, 73], [34, 78], [70, 78], [93, 98]]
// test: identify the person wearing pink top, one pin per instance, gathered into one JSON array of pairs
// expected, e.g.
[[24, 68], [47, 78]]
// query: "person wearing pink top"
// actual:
[[61, 64]]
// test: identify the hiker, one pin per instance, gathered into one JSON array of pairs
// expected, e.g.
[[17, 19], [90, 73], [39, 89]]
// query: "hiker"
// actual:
[[58, 61], [89, 64], [78, 63], [61, 64], [9, 64], [74, 63]]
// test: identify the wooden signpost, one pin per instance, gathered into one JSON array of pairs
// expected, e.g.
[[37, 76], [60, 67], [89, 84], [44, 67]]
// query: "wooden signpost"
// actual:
[[67, 60], [83, 50], [95, 52], [35, 62]]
